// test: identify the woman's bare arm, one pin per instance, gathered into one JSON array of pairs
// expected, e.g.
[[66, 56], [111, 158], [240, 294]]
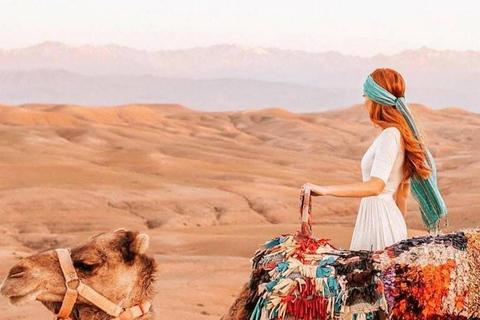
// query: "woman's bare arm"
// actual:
[[401, 196], [369, 188]]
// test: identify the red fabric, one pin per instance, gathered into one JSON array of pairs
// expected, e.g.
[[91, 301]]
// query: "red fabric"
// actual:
[[308, 305], [308, 309]]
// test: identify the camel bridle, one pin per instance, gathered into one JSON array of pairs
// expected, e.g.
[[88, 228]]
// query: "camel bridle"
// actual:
[[75, 287]]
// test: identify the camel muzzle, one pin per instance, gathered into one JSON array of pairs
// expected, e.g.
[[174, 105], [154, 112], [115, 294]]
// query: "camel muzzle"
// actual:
[[17, 272], [17, 294]]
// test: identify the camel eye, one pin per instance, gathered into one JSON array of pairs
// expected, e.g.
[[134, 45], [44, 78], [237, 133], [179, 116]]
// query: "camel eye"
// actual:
[[87, 268]]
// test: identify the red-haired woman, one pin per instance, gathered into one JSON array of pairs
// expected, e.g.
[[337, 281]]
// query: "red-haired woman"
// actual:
[[396, 155]]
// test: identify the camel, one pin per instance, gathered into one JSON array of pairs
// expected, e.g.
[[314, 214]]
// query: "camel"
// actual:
[[107, 277], [297, 276]]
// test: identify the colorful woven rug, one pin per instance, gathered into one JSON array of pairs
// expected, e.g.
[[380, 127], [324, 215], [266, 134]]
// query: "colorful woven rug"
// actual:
[[297, 276]]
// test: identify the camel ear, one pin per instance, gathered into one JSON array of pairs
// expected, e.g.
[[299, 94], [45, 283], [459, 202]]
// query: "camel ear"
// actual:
[[140, 244]]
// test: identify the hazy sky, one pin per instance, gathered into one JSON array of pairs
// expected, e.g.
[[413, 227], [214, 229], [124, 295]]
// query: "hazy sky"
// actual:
[[351, 27]]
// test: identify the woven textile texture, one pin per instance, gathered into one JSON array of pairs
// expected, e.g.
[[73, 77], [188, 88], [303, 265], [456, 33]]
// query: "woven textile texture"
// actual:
[[430, 277]]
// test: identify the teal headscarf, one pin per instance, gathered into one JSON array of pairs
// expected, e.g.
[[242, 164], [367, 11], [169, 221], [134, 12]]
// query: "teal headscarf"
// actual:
[[425, 191]]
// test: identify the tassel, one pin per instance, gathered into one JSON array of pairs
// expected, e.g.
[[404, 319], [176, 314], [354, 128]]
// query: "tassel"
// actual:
[[360, 316], [264, 315], [256, 311]]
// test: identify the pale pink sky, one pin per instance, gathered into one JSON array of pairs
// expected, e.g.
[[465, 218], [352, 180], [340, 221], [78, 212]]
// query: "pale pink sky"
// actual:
[[360, 28]]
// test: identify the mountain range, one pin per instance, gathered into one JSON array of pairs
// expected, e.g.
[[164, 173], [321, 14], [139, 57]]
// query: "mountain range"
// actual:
[[229, 76]]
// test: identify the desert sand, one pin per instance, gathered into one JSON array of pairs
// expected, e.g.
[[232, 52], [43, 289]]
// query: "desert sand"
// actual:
[[208, 187]]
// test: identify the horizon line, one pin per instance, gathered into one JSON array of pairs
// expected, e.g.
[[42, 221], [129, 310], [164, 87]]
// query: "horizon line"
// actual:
[[127, 104], [234, 44]]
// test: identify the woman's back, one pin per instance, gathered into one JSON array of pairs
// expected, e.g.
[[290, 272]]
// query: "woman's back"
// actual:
[[380, 222], [388, 153]]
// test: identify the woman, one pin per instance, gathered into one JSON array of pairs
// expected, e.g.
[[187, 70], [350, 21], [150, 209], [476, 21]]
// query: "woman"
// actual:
[[396, 162]]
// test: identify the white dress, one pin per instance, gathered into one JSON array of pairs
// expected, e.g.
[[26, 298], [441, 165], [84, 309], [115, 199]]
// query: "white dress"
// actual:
[[380, 222]]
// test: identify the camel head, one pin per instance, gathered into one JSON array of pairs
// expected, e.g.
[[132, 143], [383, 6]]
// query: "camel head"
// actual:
[[113, 264]]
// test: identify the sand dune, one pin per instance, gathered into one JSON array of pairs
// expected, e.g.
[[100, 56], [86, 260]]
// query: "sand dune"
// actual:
[[207, 186]]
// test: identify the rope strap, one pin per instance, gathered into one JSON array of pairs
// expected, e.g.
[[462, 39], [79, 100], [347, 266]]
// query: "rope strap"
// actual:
[[306, 211], [135, 311]]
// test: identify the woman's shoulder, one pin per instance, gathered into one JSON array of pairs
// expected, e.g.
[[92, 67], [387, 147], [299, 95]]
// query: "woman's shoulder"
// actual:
[[391, 131], [389, 136]]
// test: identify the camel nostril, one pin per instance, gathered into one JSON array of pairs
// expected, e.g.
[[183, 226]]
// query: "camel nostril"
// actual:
[[17, 272]]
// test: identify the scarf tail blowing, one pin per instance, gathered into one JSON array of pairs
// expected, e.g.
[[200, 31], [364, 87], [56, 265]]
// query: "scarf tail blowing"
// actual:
[[425, 191]]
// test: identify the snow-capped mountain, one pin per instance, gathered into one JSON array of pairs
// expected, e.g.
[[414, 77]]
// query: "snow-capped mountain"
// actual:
[[329, 79]]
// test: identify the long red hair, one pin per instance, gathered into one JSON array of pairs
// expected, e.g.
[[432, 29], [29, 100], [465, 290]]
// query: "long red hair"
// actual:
[[388, 116]]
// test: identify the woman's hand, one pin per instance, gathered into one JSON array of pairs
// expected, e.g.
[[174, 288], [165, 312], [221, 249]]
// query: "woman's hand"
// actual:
[[316, 190]]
